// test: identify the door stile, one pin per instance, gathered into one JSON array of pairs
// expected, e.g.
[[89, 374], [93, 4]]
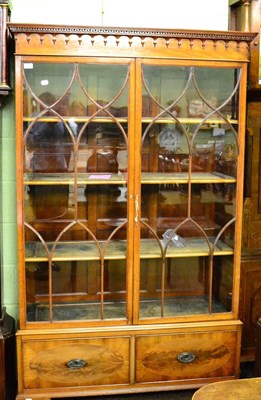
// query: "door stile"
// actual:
[[137, 191], [130, 198]]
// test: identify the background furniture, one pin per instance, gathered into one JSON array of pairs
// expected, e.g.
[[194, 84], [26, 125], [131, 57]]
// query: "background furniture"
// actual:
[[231, 390], [250, 305], [258, 349], [4, 62], [246, 15], [8, 375], [250, 265]]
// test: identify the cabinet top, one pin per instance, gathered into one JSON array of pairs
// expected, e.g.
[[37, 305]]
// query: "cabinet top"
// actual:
[[32, 39]]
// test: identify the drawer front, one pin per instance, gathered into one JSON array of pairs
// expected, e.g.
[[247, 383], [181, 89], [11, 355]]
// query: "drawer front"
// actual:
[[186, 356], [72, 363]]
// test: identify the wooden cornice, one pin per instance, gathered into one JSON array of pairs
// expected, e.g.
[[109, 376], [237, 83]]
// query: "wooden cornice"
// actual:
[[131, 32], [35, 39]]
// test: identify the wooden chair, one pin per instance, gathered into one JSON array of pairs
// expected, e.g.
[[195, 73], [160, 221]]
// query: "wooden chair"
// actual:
[[243, 389]]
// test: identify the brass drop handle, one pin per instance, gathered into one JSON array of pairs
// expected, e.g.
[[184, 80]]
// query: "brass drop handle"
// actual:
[[137, 208], [76, 363], [186, 357]]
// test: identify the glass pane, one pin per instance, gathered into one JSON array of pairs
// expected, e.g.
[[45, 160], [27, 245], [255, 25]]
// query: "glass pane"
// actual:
[[223, 281], [222, 94], [75, 190], [188, 189], [106, 89], [47, 88]]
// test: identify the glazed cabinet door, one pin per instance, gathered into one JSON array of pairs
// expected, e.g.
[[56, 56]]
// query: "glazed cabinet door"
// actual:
[[76, 180], [188, 200]]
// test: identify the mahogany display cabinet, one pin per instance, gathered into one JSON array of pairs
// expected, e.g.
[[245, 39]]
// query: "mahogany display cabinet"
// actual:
[[130, 163]]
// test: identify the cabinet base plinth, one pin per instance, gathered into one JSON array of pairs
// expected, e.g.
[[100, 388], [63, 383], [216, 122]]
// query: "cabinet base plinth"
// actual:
[[69, 363]]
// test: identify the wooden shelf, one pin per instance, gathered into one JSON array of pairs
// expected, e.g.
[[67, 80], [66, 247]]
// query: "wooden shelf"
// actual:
[[176, 306], [69, 178], [79, 120], [210, 121], [117, 250], [183, 177], [145, 120], [195, 247], [121, 178]]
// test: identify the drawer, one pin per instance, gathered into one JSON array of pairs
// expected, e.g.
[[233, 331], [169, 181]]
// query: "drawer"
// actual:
[[76, 362], [186, 356]]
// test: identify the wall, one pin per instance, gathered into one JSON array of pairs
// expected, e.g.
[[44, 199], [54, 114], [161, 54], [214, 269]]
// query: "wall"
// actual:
[[189, 14], [9, 256]]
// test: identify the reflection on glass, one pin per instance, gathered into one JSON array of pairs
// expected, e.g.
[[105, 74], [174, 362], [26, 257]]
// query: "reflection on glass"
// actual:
[[188, 178], [75, 190], [80, 279]]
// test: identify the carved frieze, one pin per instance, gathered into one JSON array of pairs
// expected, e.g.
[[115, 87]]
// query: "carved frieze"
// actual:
[[68, 40]]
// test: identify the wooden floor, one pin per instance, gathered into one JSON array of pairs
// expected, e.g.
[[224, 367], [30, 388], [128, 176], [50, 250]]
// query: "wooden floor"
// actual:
[[247, 371], [174, 395]]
